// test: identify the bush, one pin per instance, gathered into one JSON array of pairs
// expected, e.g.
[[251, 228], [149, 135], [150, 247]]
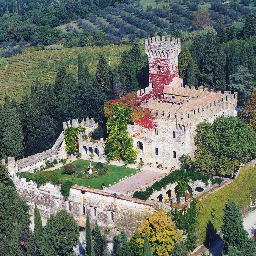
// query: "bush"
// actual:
[[65, 188], [69, 169], [99, 166]]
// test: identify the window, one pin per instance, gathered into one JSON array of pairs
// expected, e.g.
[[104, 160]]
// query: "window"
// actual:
[[156, 131], [174, 154], [140, 146], [95, 211], [156, 151], [173, 134], [188, 115]]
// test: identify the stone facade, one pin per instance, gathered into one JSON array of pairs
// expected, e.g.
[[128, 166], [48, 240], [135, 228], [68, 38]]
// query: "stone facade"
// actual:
[[110, 210], [177, 109]]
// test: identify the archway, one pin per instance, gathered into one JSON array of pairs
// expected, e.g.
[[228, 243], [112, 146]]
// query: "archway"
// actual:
[[160, 198], [96, 151], [168, 194], [199, 189]]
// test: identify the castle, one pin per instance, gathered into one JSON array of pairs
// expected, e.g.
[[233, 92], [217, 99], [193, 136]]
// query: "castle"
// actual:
[[177, 110]]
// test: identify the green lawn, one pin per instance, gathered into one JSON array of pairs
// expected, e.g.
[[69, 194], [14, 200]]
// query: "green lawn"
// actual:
[[239, 191], [114, 174]]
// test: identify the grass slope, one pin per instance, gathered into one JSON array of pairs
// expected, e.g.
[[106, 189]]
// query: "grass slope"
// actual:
[[17, 73], [239, 191]]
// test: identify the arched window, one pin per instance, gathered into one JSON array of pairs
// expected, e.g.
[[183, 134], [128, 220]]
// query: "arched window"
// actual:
[[140, 146]]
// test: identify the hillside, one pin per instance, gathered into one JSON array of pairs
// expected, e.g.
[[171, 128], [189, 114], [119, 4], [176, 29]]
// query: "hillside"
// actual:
[[239, 191], [18, 72]]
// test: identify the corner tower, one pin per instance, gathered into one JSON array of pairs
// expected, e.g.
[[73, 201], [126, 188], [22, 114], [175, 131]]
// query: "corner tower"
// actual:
[[163, 61]]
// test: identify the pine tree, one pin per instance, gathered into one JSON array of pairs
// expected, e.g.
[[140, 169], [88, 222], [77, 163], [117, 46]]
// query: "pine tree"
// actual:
[[232, 228], [100, 242], [89, 246], [38, 227], [146, 247], [250, 25]]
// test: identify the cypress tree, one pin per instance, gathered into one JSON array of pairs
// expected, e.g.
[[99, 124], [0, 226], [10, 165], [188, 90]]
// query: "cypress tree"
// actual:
[[146, 247], [61, 73], [190, 78], [11, 136], [83, 72], [102, 74], [121, 245], [179, 249], [100, 242], [89, 247], [38, 227], [184, 59]]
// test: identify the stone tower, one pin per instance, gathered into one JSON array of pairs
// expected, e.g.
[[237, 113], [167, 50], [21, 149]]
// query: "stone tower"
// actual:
[[163, 61]]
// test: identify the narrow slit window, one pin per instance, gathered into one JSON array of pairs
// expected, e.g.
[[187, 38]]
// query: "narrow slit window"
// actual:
[[173, 134], [174, 154], [156, 151]]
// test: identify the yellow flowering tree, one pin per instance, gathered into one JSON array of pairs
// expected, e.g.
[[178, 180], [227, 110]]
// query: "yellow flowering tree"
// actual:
[[161, 231]]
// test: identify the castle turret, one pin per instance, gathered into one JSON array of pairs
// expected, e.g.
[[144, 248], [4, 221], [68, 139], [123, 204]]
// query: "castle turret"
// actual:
[[163, 61]]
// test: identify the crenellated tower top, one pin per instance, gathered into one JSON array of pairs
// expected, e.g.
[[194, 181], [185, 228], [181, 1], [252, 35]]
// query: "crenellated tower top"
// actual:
[[163, 61], [164, 49]]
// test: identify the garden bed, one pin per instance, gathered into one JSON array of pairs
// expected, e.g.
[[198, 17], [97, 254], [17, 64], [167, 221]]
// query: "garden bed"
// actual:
[[111, 176]]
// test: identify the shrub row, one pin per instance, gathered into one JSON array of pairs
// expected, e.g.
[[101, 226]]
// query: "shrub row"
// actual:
[[175, 176]]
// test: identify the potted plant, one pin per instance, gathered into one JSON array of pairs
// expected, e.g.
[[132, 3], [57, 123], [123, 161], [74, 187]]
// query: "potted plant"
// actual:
[[91, 156], [141, 163], [78, 155], [160, 166]]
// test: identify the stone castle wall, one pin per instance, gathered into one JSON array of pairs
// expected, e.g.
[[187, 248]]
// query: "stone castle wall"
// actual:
[[174, 133], [31, 163], [110, 210]]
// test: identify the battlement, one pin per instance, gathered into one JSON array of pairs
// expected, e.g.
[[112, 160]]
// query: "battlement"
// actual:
[[186, 106], [164, 49]]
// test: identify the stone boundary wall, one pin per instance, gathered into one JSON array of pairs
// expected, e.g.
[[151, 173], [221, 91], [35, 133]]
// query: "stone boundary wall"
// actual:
[[30, 163], [107, 208]]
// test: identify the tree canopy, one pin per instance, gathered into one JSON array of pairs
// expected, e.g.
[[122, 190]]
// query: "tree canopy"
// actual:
[[14, 217], [161, 231], [223, 145], [60, 235]]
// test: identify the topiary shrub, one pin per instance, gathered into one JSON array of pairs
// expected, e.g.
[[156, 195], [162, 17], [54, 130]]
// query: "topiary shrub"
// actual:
[[65, 188], [69, 169]]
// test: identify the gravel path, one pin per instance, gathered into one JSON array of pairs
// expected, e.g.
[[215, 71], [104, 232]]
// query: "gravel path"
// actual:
[[250, 223], [136, 181]]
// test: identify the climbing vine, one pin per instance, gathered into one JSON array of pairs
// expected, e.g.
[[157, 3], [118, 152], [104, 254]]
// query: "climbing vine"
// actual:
[[70, 137], [139, 115], [119, 144]]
